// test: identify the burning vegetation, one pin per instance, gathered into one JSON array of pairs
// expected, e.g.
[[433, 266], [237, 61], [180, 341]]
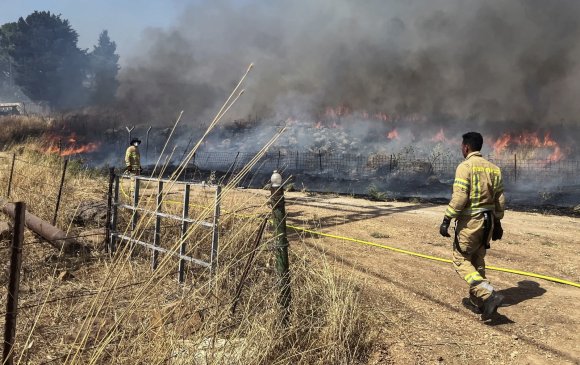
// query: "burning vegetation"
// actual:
[[350, 98], [70, 146]]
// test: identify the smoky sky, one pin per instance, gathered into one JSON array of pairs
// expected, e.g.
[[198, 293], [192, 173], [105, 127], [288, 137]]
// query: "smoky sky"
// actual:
[[492, 60]]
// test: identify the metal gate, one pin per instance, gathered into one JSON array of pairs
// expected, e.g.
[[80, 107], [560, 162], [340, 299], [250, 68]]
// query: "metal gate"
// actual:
[[184, 188]]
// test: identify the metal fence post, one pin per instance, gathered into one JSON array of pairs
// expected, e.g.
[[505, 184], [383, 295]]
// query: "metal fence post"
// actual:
[[11, 175], [215, 233], [232, 168], [109, 208], [114, 207], [184, 227], [515, 167], [129, 130], [14, 283], [147, 144], [59, 191], [278, 163], [157, 236], [135, 218], [320, 160], [281, 248], [296, 164]]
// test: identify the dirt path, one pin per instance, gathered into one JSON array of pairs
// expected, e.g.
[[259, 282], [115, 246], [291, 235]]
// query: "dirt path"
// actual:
[[417, 302]]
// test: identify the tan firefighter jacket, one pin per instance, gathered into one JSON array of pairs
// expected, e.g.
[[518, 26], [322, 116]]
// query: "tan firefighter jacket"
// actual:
[[133, 159], [477, 188]]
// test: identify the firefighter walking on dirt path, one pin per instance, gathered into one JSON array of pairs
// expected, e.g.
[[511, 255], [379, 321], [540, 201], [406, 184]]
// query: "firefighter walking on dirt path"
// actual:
[[133, 158], [477, 205]]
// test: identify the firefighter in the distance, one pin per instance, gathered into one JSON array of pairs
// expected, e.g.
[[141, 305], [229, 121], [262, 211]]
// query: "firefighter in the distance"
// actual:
[[133, 158], [477, 204]]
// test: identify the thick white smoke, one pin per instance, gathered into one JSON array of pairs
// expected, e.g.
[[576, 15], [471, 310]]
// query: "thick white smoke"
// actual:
[[464, 64]]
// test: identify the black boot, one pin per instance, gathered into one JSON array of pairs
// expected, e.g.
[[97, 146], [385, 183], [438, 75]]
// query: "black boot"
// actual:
[[490, 305], [469, 304]]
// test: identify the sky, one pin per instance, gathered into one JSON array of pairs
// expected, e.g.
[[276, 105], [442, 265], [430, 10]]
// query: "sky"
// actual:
[[124, 19]]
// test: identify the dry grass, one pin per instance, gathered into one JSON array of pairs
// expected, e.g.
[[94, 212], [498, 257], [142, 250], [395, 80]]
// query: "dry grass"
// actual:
[[103, 309], [116, 310], [36, 181], [18, 128]]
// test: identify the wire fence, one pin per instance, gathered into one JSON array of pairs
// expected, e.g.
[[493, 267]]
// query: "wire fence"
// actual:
[[41, 183], [347, 166]]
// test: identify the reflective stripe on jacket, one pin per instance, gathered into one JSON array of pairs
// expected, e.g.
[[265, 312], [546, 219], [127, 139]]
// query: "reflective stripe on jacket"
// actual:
[[477, 188]]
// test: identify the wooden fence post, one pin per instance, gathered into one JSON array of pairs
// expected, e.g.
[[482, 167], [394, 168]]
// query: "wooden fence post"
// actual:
[[14, 283], [59, 192], [281, 244], [9, 189]]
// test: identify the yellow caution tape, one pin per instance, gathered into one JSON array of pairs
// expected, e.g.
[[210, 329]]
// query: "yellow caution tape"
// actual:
[[406, 252], [434, 258]]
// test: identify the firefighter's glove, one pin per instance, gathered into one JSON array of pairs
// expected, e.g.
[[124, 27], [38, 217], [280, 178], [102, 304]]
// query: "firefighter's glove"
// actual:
[[497, 231], [444, 227]]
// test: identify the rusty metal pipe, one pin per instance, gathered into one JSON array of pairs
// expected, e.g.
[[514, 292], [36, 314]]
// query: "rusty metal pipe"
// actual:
[[57, 238]]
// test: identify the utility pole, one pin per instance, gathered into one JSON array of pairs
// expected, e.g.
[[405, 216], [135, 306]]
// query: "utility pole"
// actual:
[[281, 244]]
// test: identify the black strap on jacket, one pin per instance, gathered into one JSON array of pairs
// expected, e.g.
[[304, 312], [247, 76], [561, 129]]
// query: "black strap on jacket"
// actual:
[[486, 229]]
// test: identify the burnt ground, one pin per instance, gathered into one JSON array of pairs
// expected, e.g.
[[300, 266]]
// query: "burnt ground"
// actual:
[[416, 303]]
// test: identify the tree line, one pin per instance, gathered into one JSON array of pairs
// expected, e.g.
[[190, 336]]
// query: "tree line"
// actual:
[[39, 57]]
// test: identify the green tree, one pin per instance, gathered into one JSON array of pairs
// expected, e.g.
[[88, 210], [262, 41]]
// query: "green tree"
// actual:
[[6, 63], [104, 68], [48, 65]]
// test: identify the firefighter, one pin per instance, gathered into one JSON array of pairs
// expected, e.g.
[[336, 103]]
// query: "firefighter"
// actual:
[[477, 205], [133, 158]]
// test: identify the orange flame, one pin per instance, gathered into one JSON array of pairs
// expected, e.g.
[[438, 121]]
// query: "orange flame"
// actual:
[[501, 144], [337, 112], [74, 150], [439, 137], [393, 134], [529, 139]]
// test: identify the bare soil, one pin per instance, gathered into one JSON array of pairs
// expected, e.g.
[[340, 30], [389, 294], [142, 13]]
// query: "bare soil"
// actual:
[[416, 303]]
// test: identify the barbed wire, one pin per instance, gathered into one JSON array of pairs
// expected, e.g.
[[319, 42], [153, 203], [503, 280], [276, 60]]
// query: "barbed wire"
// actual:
[[35, 163], [82, 295], [31, 179]]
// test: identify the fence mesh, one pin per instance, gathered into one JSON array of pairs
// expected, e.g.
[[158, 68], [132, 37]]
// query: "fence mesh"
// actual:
[[351, 166]]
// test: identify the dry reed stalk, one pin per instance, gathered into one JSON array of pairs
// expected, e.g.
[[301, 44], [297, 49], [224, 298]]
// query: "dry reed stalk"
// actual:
[[218, 117], [327, 324]]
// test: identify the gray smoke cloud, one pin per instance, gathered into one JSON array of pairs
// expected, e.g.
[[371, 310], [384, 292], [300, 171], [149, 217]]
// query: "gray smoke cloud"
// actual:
[[462, 64]]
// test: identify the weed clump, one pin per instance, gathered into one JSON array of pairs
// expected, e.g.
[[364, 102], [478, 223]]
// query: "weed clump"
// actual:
[[375, 194]]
